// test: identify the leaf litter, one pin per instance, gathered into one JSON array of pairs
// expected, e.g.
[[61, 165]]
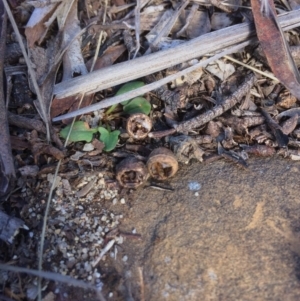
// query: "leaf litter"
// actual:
[[201, 109]]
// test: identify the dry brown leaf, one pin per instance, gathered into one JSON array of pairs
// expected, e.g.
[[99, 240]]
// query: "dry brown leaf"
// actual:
[[275, 46], [37, 27], [108, 58]]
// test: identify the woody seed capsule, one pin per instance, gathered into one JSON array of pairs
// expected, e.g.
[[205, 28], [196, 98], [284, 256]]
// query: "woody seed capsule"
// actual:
[[162, 164]]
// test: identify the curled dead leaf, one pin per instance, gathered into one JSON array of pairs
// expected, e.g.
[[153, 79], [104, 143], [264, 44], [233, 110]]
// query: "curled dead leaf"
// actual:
[[186, 148]]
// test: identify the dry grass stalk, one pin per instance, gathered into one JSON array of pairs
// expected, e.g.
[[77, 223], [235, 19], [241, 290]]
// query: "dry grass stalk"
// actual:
[[140, 269]]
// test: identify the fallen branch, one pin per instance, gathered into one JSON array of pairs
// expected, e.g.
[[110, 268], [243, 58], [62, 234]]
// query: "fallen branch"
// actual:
[[131, 70], [140, 91]]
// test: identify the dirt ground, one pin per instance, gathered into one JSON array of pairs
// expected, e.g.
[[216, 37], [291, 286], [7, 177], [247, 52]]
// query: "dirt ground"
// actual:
[[223, 233]]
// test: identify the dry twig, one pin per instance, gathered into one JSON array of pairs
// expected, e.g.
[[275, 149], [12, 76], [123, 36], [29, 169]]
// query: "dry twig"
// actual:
[[228, 103]]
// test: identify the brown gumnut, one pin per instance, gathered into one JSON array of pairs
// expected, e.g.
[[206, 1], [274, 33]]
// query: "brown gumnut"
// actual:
[[131, 173], [162, 164], [138, 126]]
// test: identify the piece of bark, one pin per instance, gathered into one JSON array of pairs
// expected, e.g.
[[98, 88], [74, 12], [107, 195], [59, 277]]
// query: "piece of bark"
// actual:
[[5, 147], [19, 143], [39, 147], [26, 123], [232, 156], [9, 227], [281, 138]]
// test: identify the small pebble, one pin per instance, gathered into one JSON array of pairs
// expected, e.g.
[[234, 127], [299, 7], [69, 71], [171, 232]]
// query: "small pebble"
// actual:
[[122, 201], [196, 193], [125, 258], [194, 186]]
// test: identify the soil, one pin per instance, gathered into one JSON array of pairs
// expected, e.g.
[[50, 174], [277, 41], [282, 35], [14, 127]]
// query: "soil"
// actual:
[[223, 233]]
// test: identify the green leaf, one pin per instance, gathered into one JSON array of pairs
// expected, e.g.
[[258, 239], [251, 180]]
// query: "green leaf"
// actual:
[[80, 132], [138, 105], [129, 87], [109, 139], [125, 88]]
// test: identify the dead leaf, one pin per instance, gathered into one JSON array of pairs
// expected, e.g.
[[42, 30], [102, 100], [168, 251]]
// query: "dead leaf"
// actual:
[[69, 104], [108, 58], [275, 46], [37, 27], [220, 69]]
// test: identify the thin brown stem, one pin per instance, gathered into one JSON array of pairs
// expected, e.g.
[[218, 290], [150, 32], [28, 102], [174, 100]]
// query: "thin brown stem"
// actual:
[[228, 103]]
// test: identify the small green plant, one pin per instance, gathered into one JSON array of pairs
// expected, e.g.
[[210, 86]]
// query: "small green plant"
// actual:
[[129, 87], [136, 105], [80, 132], [109, 138]]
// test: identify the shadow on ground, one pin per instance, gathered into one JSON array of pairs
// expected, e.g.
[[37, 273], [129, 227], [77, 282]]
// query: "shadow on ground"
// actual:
[[237, 238]]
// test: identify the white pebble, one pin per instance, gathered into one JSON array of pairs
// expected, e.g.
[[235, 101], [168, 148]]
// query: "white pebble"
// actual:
[[88, 147], [122, 201], [97, 275], [194, 185], [125, 258]]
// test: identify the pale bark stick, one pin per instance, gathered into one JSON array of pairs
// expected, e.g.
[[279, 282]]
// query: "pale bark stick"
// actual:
[[140, 91], [131, 70]]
